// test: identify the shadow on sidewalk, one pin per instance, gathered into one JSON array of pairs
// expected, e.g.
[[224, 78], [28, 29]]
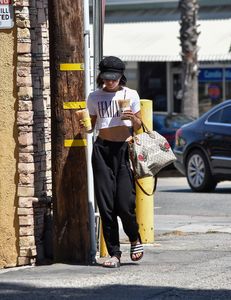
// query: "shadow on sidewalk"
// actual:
[[15, 291]]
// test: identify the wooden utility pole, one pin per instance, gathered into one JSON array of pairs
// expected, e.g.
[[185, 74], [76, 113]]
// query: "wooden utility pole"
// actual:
[[70, 202], [188, 38]]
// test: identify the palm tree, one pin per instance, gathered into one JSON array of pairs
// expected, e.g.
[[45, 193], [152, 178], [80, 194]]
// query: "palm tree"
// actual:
[[188, 39]]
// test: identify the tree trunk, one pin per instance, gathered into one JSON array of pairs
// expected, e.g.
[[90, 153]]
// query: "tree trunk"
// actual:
[[188, 38], [69, 170]]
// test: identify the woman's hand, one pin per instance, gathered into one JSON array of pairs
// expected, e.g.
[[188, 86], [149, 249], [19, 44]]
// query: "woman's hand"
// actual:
[[134, 117], [81, 126], [85, 122]]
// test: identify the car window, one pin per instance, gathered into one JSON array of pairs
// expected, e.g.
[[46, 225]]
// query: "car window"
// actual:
[[221, 116], [226, 115], [216, 117]]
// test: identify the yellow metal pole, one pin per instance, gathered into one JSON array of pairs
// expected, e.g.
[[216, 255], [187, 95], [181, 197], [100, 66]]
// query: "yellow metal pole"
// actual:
[[102, 245], [144, 203]]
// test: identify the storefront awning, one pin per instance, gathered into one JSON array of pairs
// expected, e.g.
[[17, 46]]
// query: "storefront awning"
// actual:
[[159, 41]]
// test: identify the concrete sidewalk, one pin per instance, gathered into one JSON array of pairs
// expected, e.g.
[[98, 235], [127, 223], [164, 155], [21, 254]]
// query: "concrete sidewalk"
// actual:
[[177, 266], [190, 259]]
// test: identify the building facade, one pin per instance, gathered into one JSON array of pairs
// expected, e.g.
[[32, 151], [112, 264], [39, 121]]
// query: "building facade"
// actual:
[[145, 34], [25, 155]]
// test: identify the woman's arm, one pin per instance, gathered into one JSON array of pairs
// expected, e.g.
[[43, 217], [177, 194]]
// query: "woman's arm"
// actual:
[[136, 121], [93, 121]]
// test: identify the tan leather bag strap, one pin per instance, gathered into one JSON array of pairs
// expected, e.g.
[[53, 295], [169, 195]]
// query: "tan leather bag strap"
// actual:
[[143, 190]]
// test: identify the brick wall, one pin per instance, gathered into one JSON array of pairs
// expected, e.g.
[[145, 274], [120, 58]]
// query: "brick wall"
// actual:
[[33, 122]]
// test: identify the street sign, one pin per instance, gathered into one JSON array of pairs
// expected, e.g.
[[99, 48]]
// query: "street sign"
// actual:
[[6, 14]]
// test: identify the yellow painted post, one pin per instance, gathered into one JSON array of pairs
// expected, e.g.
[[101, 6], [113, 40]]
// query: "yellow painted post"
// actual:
[[102, 245], [144, 203]]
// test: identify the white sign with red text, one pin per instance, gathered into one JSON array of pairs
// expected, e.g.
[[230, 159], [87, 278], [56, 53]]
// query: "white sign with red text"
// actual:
[[6, 14]]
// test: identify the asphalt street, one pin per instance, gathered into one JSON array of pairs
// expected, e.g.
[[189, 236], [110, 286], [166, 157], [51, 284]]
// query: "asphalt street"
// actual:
[[190, 258], [178, 208]]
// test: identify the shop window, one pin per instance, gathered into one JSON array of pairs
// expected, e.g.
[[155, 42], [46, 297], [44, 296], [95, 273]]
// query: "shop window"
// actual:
[[227, 83], [131, 74], [210, 88], [152, 84], [177, 92], [228, 90]]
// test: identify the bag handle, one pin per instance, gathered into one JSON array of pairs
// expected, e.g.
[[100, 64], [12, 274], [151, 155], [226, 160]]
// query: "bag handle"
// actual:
[[143, 190], [136, 180], [144, 128]]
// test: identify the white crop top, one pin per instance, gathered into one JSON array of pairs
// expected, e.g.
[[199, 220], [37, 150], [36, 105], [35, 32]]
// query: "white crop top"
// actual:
[[104, 105]]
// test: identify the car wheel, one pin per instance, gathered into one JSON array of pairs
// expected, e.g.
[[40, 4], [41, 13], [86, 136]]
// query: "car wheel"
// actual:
[[198, 173]]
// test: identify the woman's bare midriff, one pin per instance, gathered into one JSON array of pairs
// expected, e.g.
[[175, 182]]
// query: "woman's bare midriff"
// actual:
[[115, 134]]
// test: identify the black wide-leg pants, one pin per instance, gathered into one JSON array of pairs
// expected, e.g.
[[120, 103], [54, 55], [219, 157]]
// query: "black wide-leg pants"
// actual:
[[115, 192]]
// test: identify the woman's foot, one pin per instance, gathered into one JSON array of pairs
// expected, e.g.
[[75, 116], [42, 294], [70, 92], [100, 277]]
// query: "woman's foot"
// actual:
[[137, 250], [112, 262]]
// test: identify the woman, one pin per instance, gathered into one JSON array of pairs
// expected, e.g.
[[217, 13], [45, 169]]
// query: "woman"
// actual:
[[113, 179]]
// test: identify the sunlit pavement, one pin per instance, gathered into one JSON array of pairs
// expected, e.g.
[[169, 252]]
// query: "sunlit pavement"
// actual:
[[187, 261]]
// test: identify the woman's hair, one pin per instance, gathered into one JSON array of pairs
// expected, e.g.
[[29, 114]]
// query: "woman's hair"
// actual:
[[99, 81]]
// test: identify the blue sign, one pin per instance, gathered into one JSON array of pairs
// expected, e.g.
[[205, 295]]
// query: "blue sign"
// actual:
[[214, 74], [211, 75]]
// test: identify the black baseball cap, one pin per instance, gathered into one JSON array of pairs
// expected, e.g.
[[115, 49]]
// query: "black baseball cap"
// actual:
[[111, 68]]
